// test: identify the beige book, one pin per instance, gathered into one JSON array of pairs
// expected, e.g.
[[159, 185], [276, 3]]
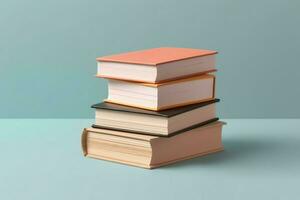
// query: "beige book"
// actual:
[[151, 151], [164, 95]]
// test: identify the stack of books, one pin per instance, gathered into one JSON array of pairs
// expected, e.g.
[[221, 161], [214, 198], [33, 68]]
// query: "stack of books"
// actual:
[[161, 108]]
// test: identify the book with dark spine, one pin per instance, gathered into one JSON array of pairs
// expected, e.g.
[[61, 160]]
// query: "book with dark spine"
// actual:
[[164, 123]]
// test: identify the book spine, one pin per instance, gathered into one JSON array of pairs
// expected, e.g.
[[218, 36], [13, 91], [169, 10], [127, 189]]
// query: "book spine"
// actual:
[[214, 87], [84, 141]]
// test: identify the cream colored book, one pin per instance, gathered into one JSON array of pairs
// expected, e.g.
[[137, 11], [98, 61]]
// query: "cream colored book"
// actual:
[[151, 151], [164, 95]]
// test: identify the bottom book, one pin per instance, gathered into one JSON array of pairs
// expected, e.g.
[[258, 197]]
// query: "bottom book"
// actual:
[[151, 151]]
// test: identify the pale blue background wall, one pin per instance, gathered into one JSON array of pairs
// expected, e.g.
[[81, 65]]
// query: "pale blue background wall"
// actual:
[[48, 50]]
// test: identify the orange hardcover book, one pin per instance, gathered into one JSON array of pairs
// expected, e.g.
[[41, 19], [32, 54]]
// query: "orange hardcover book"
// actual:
[[157, 65]]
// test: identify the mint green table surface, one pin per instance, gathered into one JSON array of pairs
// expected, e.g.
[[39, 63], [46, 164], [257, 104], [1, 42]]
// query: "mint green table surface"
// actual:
[[41, 159]]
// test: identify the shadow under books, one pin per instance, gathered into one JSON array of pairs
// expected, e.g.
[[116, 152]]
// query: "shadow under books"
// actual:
[[250, 152]]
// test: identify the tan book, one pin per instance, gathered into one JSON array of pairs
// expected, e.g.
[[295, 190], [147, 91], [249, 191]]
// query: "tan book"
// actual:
[[164, 95], [151, 151], [157, 65]]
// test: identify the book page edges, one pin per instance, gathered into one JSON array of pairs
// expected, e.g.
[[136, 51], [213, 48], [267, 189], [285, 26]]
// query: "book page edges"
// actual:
[[156, 165], [119, 161], [220, 147], [162, 108], [153, 166], [122, 134]]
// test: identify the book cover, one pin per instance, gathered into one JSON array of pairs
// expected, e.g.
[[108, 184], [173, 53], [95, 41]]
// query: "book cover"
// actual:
[[156, 56], [162, 113], [169, 135]]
